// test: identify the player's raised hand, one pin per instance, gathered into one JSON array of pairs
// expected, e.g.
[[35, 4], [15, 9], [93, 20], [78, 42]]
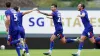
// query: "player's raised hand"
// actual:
[[35, 9], [38, 11]]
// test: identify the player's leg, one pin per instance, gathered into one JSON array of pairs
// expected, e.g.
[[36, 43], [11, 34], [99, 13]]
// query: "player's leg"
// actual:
[[17, 49], [27, 50], [14, 42], [16, 36], [80, 46], [9, 39], [65, 40], [22, 34], [97, 44], [83, 37], [14, 39], [53, 37], [68, 40], [97, 39], [24, 45], [93, 39], [91, 35]]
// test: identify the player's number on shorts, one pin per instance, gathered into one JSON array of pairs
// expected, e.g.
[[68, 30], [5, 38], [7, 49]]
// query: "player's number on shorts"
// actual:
[[59, 17], [15, 16]]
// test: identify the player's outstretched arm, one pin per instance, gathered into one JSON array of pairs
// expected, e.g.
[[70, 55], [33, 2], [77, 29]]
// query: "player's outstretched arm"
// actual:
[[47, 14], [29, 11], [7, 22], [50, 17]]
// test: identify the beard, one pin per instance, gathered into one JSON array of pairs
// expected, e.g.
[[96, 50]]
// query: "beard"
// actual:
[[79, 9]]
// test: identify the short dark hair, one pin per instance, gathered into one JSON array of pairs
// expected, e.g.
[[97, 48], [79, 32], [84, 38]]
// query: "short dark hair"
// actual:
[[55, 5], [8, 4], [16, 8], [82, 5]]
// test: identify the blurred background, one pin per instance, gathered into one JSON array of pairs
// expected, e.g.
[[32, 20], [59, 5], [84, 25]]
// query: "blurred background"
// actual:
[[39, 29], [47, 3]]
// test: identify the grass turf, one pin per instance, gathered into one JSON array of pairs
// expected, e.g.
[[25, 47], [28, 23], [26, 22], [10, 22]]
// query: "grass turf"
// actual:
[[56, 52]]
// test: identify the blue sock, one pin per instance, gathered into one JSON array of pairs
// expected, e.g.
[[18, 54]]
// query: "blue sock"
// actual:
[[97, 39], [69, 40], [26, 48], [18, 50], [21, 47], [14, 42], [51, 45], [80, 46]]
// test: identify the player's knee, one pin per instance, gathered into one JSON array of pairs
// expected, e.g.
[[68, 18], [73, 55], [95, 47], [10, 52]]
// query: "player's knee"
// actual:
[[51, 40], [8, 42], [63, 42], [81, 40], [93, 42]]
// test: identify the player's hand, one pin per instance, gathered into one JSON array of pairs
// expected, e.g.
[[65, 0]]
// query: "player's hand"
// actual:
[[38, 11], [78, 16], [35, 9]]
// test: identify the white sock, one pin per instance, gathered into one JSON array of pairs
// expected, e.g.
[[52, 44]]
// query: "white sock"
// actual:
[[22, 42], [27, 54], [74, 39], [77, 39], [78, 52], [23, 49], [50, 51]]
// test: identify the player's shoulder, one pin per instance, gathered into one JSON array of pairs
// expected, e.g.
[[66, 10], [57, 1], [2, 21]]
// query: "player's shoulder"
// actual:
[[55, 12], [84, 10], [7, 11], [20, 13]]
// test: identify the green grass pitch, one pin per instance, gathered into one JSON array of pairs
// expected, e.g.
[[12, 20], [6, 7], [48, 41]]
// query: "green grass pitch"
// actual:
[[56, 52]]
